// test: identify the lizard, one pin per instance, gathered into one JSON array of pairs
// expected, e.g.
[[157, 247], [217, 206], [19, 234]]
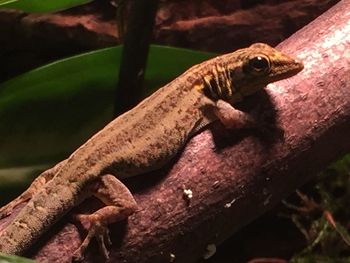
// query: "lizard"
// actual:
[[143, 139]]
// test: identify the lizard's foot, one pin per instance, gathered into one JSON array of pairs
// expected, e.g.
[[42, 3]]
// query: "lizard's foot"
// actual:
[[96, 228], [120, 204]]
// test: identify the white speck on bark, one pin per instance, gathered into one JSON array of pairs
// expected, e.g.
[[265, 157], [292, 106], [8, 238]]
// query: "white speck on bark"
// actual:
[[172, 257]]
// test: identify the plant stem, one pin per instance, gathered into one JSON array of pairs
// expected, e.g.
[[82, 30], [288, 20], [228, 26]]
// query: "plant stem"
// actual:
[[135, 52]]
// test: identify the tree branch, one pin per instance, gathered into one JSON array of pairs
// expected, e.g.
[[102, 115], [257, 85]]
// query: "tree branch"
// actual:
[[235, 176]]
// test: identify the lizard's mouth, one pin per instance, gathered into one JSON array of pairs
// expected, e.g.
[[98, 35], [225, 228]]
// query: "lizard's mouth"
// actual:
[[287, 71]]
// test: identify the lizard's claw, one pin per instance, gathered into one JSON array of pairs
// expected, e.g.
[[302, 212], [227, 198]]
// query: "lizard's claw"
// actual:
[[103, 239], [95, 229]]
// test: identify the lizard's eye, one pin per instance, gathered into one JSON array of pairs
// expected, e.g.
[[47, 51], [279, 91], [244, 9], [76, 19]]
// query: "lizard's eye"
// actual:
[[259, 64]]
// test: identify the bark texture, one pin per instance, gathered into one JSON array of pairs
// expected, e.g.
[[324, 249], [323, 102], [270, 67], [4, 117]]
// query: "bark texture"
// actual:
[[235, 176]]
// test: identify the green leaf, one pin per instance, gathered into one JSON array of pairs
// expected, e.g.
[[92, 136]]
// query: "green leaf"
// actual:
[[13, 259], [48, 112], [41, 6], [4, 2]]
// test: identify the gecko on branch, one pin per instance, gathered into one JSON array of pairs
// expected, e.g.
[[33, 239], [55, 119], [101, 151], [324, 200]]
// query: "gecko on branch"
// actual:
[[142, 139]]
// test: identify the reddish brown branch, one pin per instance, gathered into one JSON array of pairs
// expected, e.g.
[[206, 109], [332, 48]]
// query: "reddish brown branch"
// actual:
[[236, 176]]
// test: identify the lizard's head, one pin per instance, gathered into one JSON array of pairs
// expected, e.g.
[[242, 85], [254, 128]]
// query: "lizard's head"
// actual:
[[257, 66]]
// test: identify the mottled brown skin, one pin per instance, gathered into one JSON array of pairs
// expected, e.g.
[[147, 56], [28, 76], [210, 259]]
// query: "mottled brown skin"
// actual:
[[142, 139]]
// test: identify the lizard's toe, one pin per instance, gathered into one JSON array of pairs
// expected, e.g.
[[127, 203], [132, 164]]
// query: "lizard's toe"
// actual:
[[95, 229], [103, 240], [78, 256]]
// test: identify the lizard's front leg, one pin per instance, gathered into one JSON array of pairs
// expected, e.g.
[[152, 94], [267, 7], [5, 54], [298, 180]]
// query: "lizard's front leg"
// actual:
[[36, 185], [119, 205], [231, 117]]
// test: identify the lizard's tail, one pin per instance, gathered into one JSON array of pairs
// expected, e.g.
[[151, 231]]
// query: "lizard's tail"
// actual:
[[41, 212]]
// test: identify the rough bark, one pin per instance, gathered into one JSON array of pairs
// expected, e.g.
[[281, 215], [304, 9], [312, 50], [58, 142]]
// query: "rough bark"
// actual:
[[235, 176]]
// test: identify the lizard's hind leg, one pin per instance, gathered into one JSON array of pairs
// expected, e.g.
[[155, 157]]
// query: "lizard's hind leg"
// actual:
[[36, 185], [119, 205]]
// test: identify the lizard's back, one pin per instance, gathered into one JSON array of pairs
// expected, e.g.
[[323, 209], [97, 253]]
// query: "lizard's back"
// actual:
[[145, 137]]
